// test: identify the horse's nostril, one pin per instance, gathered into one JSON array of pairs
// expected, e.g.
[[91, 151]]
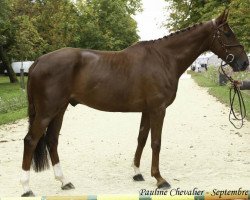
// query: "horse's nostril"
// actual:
[[245, 64]]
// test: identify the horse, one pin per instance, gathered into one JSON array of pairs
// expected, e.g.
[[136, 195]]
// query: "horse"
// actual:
[[141, 78]]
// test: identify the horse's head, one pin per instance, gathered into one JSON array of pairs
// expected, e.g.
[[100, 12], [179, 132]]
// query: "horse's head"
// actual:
[[225, 44]]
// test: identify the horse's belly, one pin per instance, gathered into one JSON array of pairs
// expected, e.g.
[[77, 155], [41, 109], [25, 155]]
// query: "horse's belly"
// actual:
[[110, 101], [114, 107]]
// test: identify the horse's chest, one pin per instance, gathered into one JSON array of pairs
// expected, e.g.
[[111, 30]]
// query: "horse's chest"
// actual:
[[170, 98]]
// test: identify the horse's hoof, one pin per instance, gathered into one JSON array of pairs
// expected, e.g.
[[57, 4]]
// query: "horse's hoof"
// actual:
[[68, 186], [165, 185], [28, 194], [138, 177]]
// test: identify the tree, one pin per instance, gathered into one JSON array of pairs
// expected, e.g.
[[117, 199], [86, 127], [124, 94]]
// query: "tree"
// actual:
[[31, 28], [239, 19], [107, 25], [28, 44], [6, 39], [187, 12], [57, 23]]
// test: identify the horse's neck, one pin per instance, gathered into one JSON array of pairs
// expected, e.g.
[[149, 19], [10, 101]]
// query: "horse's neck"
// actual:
[[181, 50]]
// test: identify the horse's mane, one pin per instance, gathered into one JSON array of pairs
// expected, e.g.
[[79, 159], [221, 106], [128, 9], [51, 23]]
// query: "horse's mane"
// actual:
[[171, 34]]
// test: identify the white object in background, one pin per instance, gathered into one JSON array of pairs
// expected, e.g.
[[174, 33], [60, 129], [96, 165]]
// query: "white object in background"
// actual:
[[185, 75], [16, 66]]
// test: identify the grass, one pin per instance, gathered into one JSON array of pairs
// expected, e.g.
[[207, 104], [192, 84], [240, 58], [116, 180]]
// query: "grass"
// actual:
[[13, 101], [210, 80]]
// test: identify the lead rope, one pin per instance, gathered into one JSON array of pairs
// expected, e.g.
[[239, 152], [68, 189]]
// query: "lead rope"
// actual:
[[232, 93]]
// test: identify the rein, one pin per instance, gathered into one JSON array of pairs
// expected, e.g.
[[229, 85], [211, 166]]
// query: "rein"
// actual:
[[232, 93], [235, 89]]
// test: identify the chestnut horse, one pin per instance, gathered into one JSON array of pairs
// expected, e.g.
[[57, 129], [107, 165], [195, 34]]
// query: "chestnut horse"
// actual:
[[141, 78]]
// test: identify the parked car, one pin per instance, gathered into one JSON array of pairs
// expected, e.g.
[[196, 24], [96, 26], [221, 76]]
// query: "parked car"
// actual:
[[197, 67]]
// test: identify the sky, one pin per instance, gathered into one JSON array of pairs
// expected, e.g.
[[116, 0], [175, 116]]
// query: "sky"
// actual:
[[150, 20]]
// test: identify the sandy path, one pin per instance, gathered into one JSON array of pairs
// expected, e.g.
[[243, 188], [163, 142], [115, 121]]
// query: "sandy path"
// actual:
[[199, 149]]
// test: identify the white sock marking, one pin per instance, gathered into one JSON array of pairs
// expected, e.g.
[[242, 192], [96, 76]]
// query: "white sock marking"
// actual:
[[24, 180], [59, 174], [136, 169]]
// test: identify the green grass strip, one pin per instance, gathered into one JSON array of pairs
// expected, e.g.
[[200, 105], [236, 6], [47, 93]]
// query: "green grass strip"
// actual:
[[221, 93], [11, 117]]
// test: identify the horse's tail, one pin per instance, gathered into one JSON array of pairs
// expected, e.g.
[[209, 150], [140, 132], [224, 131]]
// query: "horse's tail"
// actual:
[[40, 160]]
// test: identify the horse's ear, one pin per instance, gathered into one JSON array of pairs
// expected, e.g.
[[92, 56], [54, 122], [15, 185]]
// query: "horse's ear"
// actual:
[[223, 17], [226, 15]]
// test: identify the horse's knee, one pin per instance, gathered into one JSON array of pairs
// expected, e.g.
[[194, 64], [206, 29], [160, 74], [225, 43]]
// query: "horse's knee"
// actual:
[[156, 145]]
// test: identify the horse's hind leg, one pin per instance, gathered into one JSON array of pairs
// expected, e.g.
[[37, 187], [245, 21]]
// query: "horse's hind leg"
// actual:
[[34, 139], [52, 136], [142, 138]]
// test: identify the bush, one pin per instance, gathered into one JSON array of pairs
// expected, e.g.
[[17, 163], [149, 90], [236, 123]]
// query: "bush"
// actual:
[[13, 104]]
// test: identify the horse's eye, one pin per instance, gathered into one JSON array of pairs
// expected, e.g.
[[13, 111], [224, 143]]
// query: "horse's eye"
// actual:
[[228, 33]]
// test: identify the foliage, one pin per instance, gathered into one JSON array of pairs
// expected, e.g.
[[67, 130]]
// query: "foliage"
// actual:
[[29, 29], [13, 101], [3, 22], [56, 23], [26, 40], [186, 12], [6, 39], [102, 30]]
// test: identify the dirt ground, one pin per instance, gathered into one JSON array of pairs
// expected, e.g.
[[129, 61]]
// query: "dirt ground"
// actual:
[[200, 148]]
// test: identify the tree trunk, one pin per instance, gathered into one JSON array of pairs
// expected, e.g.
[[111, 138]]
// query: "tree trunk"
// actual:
[[7, 66]]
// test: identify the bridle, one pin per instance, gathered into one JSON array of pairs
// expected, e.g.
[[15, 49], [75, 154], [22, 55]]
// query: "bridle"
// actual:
[[234, 89], [217, 35]]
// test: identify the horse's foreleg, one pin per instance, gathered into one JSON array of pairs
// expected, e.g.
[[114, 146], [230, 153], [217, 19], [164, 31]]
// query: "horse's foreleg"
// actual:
[[156, 122], [142, 138], [31, 140], [52, 143]]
